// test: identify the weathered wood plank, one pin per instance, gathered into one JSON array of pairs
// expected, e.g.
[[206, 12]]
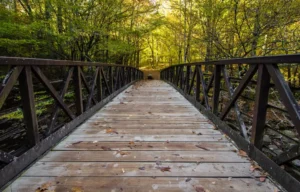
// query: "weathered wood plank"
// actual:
[[148, 146], [132, 169], [165, 138], [100, 131], [140, 184], [143, 156]]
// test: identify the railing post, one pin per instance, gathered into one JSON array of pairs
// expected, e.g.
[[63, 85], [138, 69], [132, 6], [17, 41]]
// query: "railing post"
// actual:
[[181, 77], [99, 85], [111, 79], [197, 94], [216, 90], [260, 108], [187, 78], [27, 97], [78, 90]]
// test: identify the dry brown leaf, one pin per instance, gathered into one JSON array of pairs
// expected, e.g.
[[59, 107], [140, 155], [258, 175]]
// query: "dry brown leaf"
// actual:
[[150, 146], [164, 169], [76, 142], [255, 167], [199, 188], [131, 142], [123, 152], [122, 103], [199, 146], [142, 168], [111, 131], [188, 179], [105, 148], [77, 189], [262, 179], [242, 153]]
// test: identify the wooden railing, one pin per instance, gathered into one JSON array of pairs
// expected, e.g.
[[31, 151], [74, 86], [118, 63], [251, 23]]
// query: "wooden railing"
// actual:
[[255, 101], [43, 100]]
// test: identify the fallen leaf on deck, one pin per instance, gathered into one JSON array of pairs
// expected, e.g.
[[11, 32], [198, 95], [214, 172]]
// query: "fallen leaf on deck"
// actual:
[[188, 179], [44, 187], [150, 146], [176, 155], [131, 142], [123, 152], [111, 131], [167, 141], [242, 153], [199, 188], [164, 169], [105, 148], [77, 189], [141, 168], [76, 142], [193, 132], [262, 179], [199, 133], [199, 146], [122, 103], [255, 167]]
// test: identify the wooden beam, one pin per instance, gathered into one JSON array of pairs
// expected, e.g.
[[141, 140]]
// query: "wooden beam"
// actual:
[[260, 107], [40, 75], [8, 83], [92, 89], [205, 97], [286, 95], [29, 113], [238, 91], [62, 94], [217, 84], [239, 117]]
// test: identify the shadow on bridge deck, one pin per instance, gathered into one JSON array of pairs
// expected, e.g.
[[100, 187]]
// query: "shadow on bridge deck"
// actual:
[[149, 138]]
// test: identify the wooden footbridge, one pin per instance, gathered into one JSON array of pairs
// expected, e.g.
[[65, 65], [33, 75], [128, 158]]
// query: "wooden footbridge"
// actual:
[[103, 128]]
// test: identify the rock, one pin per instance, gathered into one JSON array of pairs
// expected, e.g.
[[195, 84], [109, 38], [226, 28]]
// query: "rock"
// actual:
[[296, 162], [273, 147], [267, 139], [289, 133]]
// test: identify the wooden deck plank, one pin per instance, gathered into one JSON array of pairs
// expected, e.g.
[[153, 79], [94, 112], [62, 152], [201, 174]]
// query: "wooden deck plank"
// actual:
[[130, 143], [166, 138], [141, 169], [145, 146], [142, 156], [141, 184], [96, 131]]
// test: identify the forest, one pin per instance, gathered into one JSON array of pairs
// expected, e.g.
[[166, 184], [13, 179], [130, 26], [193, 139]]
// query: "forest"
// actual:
[[148, 33]]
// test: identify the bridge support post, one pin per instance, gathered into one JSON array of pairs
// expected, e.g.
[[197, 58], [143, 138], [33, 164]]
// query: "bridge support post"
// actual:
[[260, 108], [216, 91], [78, 90], [27, 97]]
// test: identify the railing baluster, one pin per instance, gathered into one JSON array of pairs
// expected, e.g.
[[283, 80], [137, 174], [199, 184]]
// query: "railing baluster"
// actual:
[[29, 113], [78, 90], [260, 108], [187, 78], [197, 94], [99, 85], [216, 92]]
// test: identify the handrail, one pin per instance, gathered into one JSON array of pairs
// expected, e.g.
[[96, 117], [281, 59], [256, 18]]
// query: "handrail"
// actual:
[[85, 88], [50, 62], [293, 58], [264, 73]]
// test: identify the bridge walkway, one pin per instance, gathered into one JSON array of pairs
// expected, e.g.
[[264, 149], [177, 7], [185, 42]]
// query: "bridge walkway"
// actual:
[[148, 138]]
